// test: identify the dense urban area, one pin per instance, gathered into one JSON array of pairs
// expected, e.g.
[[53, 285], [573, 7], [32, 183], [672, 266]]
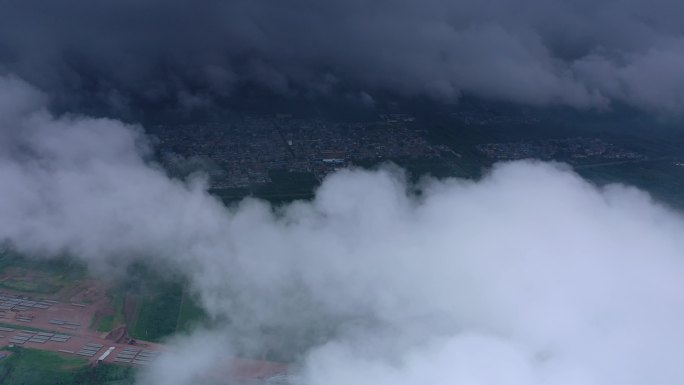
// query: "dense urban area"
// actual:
[[243, 151], [571, 149]]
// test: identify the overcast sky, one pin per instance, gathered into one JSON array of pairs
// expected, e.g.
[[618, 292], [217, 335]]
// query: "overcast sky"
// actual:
[[586, 54]]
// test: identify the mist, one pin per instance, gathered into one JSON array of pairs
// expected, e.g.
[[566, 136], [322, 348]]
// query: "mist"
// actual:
[[529, 275], [121, 55]]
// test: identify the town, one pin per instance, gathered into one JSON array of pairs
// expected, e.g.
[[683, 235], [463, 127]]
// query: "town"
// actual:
[[571, 150], [241, 152]]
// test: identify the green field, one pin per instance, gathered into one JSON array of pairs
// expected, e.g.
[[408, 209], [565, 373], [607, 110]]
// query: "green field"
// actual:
[[655, 139], [37, 275], [63, 267], [158, 303], [284, 187], [190, 313], [110, 321], [37, 367], [663, 180], [165, 311], [158, 313], [39, 286]]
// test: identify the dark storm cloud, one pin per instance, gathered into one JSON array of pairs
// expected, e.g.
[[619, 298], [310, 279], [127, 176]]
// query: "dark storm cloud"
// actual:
[[580, 53]]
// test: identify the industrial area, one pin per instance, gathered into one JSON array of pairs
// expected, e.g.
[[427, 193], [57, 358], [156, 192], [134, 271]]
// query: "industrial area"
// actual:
[[66, 328]]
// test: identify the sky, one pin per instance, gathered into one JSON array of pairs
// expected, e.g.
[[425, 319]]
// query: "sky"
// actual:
[[118, 54], [529, 275]]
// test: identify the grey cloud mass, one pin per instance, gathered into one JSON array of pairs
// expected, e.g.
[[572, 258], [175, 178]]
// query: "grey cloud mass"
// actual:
[[586, 54], [530, 275]]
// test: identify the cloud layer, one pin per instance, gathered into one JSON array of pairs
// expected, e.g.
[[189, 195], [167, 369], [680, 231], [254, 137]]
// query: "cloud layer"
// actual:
[[530, 275], [586, 54]]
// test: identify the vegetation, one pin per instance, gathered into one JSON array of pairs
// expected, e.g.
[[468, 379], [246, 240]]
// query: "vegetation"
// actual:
[[190, 313], [663, 180], [37, 367], [110, 321], [31, 286], [163, 306], [106, 323], [64, 267], [285, 186], [165, 311], [661, 142], [38, 276], [158, 313]]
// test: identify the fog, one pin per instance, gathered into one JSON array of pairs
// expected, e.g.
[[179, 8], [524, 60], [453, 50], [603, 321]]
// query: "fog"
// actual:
[[529, 275], [189, 54]]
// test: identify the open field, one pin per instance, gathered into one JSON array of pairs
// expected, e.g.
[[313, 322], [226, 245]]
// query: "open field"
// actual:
[[158, 313], [190, 313], [64, 334], [664, 180], [152, 306], [51, 356], [284, 187], [34, 312], [111, 316], [169, 309], [76, 333], [49, 277], [39, 367]]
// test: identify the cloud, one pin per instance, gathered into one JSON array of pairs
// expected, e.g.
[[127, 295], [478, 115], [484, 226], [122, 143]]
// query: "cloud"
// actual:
[[74, 183], [530, 275], [201, 354], [585, 54]]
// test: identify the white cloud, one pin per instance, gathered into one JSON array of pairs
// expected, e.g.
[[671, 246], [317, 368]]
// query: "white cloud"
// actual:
[[530, 275]]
